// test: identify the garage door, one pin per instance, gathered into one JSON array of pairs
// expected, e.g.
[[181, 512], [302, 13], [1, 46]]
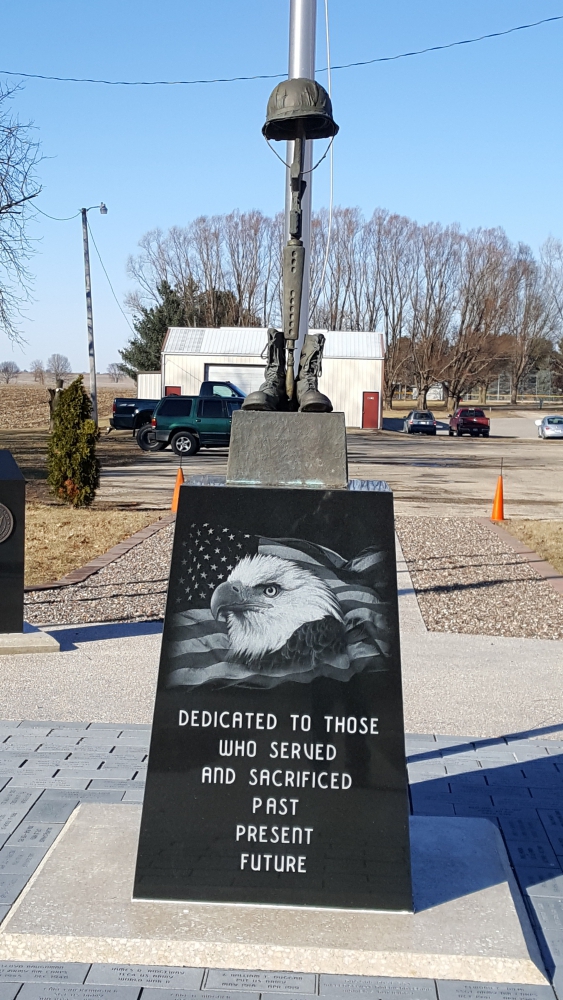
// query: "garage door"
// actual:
[[246, 377]]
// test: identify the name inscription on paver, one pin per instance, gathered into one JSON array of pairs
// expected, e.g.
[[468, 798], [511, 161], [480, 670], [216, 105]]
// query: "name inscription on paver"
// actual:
[[278, 729], [156, 994], [20, 860], [261, 982], [47, 972], [450, 990], [377, 986], [52, 991], [147, 975]]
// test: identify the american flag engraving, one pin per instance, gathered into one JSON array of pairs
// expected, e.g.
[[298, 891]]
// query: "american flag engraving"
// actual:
[[258, 610]]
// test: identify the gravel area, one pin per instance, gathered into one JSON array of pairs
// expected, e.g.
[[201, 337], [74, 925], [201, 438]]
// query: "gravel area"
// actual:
[[468, 580], [133, 588]]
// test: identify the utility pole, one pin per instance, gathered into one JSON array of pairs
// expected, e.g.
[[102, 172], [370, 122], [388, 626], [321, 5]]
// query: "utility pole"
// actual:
[[89, 316], [302, 44]]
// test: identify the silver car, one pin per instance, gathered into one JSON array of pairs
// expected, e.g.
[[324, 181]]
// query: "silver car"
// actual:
[[550, 427]]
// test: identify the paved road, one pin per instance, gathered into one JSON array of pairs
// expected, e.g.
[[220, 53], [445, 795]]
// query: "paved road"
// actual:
[[442, 475]]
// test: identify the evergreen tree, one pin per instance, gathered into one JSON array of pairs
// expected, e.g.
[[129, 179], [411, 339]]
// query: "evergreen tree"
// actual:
[[178, 307], [73, 469], [142, 353]]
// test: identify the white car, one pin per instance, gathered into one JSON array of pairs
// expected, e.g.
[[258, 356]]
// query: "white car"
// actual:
[[550, 427]]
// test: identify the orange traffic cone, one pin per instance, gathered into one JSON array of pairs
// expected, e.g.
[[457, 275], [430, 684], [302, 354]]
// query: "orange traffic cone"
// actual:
[[176, 493], [498, 502]]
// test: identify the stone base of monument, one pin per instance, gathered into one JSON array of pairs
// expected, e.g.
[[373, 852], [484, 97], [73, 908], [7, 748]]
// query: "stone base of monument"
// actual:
[[31, 640], [288, 449], [470, 922]]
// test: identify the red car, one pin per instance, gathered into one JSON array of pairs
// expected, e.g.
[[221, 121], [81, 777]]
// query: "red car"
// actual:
[[469, 420]]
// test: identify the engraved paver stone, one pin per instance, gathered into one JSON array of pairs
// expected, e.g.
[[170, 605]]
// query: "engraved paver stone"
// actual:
[[377, 986], [35, 835], [458, 990], [52, 810], [17, 797], [152, 994], [146, 975], [31, 781], [100, 784], [523, 827], [544, 882], [46, 972], [548, 914], [265, 982], [54, 991], [533, 854], [9, 820], [99, 795], [20, 860], [10, 888], [8, 990]]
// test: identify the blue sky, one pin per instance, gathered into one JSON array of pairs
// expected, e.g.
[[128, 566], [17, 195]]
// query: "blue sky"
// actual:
[[471, 135]]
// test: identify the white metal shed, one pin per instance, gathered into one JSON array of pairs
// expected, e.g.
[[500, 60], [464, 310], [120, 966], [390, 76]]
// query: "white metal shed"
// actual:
[[352, 373]]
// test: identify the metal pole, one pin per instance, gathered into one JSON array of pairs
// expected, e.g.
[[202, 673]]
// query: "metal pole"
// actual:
[[302, 39], [89, 316]]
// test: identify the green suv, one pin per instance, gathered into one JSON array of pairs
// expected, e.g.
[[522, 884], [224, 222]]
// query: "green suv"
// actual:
[[189, 423]]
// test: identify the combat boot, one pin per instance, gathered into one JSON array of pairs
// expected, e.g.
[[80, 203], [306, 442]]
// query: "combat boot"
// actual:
[[309, 398], [271, 394]]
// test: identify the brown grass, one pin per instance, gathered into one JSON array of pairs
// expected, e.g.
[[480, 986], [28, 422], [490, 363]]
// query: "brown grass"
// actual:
[[60, 539], [544, 537], [26, 405]]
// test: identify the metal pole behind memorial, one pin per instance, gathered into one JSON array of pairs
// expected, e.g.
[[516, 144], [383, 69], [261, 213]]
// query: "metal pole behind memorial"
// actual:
[[302, 39], [89, 316]]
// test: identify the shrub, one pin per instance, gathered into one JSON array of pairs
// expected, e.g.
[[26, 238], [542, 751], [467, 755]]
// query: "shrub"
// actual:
[[71, 459]]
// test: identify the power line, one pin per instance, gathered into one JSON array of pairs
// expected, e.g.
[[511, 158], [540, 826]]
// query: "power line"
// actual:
[[55, 218], [277, 76], [126, 318]]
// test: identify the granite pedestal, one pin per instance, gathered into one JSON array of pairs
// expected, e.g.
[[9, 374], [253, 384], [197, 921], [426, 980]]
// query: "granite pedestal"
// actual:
[[288, 449], [470, 922]]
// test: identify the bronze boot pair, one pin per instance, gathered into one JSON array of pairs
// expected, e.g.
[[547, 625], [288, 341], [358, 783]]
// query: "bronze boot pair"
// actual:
[[272, 395]]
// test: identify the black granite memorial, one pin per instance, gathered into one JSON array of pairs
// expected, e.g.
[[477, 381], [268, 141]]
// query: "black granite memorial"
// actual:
[[277, 766], [12, 536]]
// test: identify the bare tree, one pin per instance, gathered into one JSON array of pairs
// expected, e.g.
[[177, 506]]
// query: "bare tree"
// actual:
[[114, 372], [483, 259], [531, 320], [19, 155], [335, 288], [394, 264], [551, 256], [37, 369], [58, 366], [8, 371], [432, 304]]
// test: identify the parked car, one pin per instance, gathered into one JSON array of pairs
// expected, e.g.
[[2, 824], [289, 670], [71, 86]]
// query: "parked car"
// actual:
[[550, 427], [189, 423], [420, 422], [134, 414], [469, 420]]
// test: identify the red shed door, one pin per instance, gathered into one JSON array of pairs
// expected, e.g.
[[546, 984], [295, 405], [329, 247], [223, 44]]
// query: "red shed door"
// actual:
[[370, 410], [173, 390]]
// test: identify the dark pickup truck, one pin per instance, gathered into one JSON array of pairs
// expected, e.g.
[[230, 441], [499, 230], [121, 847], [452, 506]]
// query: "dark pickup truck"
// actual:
[[132, 414]]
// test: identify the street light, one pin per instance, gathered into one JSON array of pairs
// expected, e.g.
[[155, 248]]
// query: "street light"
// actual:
[[89, 314]]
